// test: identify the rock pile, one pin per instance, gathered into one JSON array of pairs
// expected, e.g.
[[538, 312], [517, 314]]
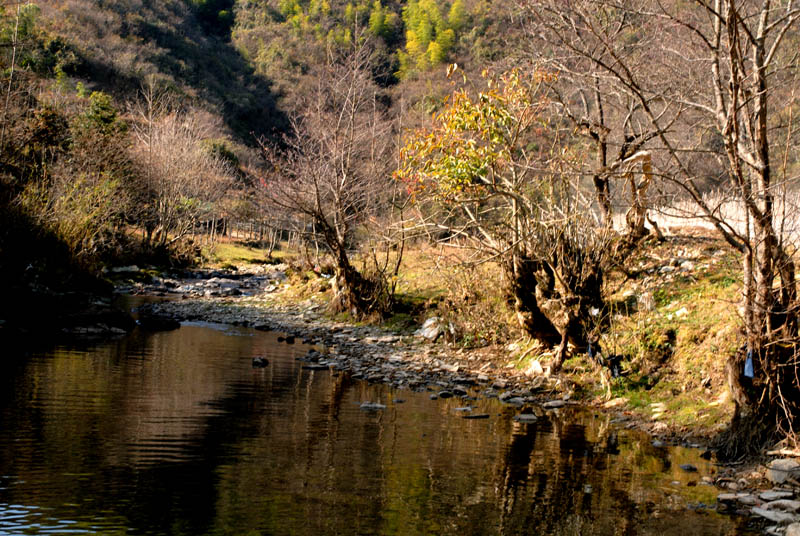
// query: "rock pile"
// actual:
[[778, 506]]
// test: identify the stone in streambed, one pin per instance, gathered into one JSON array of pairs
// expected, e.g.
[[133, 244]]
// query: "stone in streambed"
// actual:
[[779, 470], [775, 516], [260, 362], [774, 495], [431, 329], [315, 367], [553, 404], [156, 322], [747, 499], [783, 505], [793, 530]]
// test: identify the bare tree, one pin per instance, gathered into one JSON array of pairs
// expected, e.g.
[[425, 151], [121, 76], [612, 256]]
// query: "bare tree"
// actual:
[[333, 171], [182, 180], [579, 44], [713, 65]]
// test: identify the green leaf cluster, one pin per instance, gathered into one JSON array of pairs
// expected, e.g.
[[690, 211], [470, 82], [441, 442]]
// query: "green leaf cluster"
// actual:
[[475, 141], [430, 36], [336, 24], [102, 115]]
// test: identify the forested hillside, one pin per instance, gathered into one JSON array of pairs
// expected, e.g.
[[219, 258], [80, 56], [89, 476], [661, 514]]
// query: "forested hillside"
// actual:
[[237, 70]]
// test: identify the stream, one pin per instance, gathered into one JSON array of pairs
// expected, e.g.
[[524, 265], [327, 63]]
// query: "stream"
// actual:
[[177, 433]]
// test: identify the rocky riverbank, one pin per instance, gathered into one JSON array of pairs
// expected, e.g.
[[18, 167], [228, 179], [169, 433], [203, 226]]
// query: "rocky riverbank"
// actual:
[[401, 359], [261, 297], [257, 298], [47, 314]]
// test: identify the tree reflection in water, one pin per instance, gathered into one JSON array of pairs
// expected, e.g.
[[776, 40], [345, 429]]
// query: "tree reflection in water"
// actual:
[[177, 433]]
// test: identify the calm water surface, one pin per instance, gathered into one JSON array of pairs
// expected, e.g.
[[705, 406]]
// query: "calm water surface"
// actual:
[[176, 433]]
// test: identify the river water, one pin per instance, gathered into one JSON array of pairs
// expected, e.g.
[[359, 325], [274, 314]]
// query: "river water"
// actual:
[[176, 433]]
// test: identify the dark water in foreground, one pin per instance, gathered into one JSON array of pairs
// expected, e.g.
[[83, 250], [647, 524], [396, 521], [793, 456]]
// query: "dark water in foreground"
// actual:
[[176, 433]]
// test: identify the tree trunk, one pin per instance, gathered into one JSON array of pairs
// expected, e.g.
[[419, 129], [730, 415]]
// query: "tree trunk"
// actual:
[[553, 315], [355, 294], [766, 391]]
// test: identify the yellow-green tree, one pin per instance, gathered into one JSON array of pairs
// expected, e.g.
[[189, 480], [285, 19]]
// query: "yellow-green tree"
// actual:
[[429, 37], [493, 170]]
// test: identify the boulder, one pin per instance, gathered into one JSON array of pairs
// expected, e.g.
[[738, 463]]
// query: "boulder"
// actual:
[[774, 495], [775, 516], [783, 505], [779, 470], [124, 269], [534, 369], [793, 530], [434, 327], [157, 322], [431, 329]]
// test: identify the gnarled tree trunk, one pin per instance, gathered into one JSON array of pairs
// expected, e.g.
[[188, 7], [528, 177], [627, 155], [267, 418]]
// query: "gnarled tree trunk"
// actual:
[[560, 301]]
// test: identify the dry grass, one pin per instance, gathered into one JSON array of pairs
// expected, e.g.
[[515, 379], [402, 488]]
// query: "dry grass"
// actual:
[[228, 253], [676, 350]]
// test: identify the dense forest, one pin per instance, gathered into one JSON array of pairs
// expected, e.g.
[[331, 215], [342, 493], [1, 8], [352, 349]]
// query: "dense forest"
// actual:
[[540, 138]]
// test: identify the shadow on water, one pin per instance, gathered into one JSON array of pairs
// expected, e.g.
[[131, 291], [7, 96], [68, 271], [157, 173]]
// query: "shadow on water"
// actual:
[[176, 433]]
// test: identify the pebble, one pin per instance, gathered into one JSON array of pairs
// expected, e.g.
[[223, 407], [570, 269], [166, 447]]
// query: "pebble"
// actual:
[[553, 404], [372, 406], [689, 468], [526, 418]]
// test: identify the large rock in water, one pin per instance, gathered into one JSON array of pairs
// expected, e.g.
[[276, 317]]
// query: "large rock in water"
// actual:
[[157, 322], [779, 470]]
